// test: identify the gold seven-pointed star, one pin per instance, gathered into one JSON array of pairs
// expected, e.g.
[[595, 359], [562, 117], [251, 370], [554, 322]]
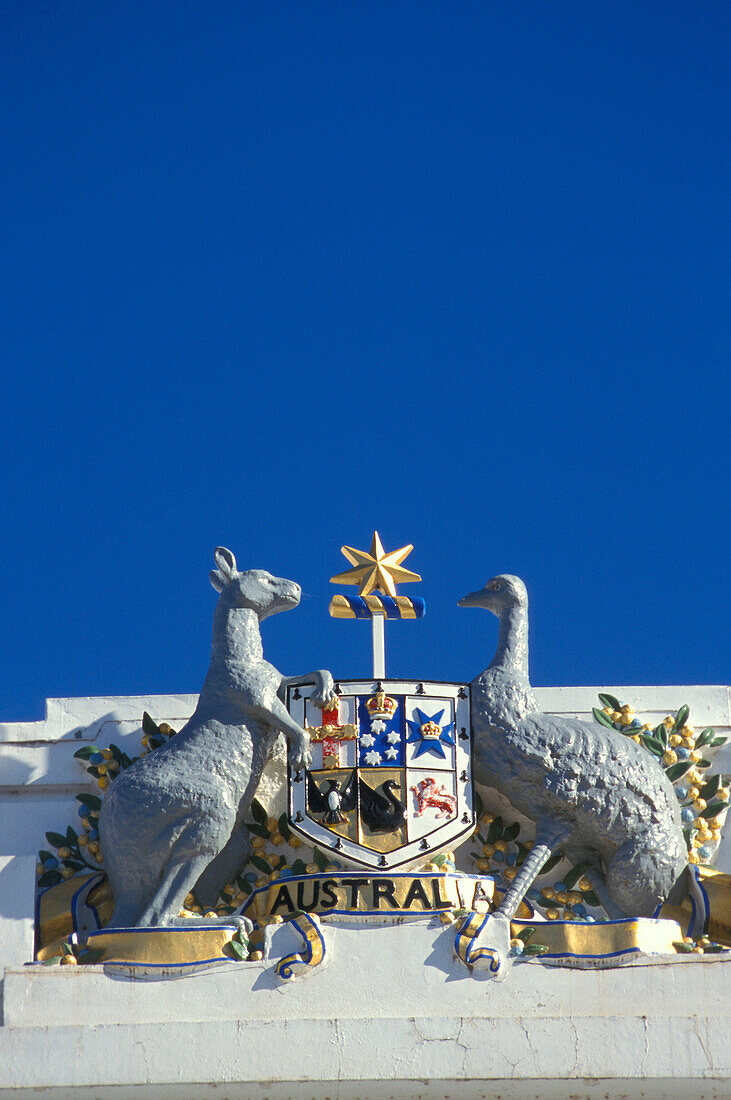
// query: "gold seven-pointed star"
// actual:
[[375, 570]]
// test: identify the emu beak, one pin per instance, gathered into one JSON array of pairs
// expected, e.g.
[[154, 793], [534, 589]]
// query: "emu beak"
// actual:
[[473, 599]]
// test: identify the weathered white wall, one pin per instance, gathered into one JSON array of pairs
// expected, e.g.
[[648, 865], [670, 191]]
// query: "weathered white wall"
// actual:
[[393, 1015]]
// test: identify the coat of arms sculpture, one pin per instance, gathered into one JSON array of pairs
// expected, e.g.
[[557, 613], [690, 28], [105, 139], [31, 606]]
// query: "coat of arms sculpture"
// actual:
[[593, 827]]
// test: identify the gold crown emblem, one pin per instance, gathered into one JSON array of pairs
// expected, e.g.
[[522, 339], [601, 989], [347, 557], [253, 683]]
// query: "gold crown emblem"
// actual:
[[381, 705], [431, 730]]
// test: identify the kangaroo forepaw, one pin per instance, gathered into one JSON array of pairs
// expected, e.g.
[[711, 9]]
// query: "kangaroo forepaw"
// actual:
[[299, 753], [324, 694]]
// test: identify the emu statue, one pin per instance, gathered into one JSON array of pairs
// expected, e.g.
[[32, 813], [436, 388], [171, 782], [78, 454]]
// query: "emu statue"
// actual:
[[593, 793], [174, 821]]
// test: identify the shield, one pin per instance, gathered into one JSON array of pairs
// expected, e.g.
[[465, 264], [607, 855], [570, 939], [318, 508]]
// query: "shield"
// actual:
[[391, 777]]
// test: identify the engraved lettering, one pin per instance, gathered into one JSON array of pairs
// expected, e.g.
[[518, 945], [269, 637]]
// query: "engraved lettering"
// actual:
[[301, 903], [416, 891], [383, 888], [328, 897], [439, 901], [282, 899], [355, 885]]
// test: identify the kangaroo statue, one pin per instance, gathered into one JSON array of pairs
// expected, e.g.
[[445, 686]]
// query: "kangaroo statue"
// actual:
[[174, 821]]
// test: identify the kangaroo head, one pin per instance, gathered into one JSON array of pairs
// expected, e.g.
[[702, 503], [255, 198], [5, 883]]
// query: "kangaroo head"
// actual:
[[254, 588]]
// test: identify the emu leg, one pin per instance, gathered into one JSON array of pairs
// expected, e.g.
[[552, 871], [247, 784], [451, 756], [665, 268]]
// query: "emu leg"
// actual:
[[600, 888], [526, 876]]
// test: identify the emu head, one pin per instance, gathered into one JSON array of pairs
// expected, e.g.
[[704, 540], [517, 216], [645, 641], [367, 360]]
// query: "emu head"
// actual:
[[499, 595], [254, 588]]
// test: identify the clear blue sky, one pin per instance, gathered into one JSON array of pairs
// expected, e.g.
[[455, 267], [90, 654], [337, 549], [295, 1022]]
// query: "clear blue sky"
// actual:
[[277, 274]]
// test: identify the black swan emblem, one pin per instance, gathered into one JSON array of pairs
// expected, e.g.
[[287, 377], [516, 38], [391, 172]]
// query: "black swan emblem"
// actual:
[[382, 813]]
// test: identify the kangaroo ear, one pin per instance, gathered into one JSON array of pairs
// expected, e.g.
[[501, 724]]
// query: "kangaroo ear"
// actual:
[[217, 580], [225, 561]]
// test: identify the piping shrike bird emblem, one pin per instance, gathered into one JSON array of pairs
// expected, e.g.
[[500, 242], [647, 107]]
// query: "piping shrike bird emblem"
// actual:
[[334, 802]]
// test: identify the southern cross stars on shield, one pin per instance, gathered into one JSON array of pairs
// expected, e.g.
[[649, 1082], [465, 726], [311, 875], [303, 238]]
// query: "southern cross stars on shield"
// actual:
[[428, 734], [381, 740]]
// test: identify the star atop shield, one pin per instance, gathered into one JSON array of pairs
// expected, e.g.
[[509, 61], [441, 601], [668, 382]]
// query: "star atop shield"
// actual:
[[375, 570]]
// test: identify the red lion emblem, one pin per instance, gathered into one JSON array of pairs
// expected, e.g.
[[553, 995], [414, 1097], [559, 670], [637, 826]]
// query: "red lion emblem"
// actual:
[[429, 795]]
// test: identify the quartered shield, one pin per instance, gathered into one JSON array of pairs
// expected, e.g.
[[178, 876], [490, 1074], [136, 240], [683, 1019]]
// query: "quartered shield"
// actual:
[[391, 777]]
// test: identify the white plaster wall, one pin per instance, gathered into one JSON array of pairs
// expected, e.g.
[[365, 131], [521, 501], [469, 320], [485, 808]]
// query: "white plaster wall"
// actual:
[[394, 1015]]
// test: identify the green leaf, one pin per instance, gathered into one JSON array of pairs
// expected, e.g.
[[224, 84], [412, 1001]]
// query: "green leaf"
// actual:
[[607, 700], [512, 831], [573, 876], [50, 878], [257, 830], [56, 840], [320, 859], [652, 743], [261, 864], [704, 737], [284, 828], [236, 950], [718, 741], [526, 933], [126, 760], [91, 800], [66, 949], [683, 948], [714, 949], [84, 752], [495, 830], [714, 809], [681, 718], [479, 808], [478, 836], [675, 771], [44, 854], [523, 850], [299, 867], [709, 789], [74, 864], [149, 725], [551, 862], [688, 835], [602, 718], [71, 837], [536, 949], [258, 811], [703, 763], [591, 899], [661, 733]]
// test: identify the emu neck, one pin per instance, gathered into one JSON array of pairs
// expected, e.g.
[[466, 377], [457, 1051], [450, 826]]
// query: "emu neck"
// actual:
[[512, 647], [236, 634]]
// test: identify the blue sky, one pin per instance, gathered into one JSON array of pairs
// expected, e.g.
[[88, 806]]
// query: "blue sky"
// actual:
[[277, 274]]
